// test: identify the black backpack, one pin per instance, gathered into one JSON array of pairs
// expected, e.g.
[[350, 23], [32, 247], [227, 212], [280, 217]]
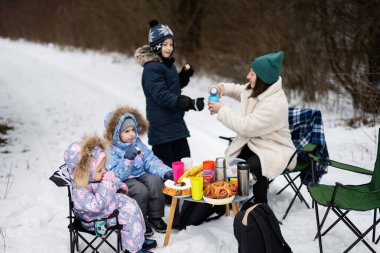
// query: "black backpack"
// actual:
[[257, 230], [193, 213]]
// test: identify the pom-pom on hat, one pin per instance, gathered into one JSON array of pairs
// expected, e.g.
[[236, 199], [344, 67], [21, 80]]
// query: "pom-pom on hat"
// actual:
[[268, 67], [158, 33]]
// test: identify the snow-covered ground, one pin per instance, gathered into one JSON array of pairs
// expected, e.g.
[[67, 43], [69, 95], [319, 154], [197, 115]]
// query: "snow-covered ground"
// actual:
[[53, 97]]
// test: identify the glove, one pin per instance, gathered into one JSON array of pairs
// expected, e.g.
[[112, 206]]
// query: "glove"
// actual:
[[124, 187], [184, 75], [132, 153], [199, 104], [187, 71], [185, 103], [168, 175]]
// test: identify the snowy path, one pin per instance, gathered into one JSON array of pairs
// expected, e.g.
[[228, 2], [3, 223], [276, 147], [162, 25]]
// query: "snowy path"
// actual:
[[53, 97]]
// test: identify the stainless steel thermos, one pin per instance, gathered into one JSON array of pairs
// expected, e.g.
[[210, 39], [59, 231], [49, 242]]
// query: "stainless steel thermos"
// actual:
[[243, 178], [220, 167]]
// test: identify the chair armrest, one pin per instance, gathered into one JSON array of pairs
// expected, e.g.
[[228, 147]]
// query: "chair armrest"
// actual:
[[309, 148], [229, 139], [340, 165]]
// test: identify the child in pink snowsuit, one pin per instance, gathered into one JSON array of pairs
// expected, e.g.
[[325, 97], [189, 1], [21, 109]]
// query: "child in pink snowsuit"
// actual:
[[95, 196]]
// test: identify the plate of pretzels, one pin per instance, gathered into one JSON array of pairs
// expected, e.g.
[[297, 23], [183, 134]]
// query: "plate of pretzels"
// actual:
[[219, 193]]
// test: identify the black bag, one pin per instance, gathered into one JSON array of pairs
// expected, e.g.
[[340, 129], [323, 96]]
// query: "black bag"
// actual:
[[257, 230], [193, 213]]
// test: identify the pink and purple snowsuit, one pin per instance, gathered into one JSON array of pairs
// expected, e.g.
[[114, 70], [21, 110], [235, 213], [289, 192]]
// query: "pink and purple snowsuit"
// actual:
[[99, 199]]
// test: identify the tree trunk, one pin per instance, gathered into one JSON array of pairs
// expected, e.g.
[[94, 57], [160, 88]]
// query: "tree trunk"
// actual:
[[189, 15]]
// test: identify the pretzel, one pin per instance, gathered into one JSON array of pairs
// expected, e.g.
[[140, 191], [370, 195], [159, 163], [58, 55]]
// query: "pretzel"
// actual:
[[220, 190]]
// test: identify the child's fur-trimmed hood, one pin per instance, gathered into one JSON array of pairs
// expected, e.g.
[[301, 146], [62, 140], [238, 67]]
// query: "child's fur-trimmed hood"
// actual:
[[90, 148], [144, 54], [112, 120]]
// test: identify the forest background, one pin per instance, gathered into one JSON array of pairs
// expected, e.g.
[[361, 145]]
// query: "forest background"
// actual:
[[329, 45]]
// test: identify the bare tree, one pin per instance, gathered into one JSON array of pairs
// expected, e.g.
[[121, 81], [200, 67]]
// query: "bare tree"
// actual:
[[327, 44]]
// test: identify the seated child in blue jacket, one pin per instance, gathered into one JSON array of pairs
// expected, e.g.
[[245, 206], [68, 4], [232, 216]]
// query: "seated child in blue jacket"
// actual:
[[136, 165], [95, 194]]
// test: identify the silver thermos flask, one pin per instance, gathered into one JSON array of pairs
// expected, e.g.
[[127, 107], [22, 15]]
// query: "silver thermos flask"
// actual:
[[243, 178], [220, 167]]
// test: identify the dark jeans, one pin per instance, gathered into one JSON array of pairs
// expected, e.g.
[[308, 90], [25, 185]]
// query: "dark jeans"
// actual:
[[260, 188], [172, 151]]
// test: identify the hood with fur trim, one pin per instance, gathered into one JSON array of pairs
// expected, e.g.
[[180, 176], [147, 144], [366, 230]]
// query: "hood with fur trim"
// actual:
[[144, 54], [82, 158], [113, 119]]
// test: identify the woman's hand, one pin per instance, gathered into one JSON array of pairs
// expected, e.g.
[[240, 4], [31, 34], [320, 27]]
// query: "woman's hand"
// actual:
[[214, 107], [220, 88]]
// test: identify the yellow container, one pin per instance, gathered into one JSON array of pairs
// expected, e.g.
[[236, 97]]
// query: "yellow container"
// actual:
[[197, 188]]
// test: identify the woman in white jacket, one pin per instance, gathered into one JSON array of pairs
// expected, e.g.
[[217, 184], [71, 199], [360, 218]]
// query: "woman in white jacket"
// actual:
[[262, 130]]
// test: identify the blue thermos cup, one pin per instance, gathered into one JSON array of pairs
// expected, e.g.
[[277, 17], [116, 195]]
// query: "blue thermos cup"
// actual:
[[214, 95]]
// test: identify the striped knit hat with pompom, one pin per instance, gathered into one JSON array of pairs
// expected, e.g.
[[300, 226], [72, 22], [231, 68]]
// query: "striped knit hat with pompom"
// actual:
[[157, 34]]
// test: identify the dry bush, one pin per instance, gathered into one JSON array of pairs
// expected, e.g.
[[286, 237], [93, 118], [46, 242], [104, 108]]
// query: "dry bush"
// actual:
[[327, 44]]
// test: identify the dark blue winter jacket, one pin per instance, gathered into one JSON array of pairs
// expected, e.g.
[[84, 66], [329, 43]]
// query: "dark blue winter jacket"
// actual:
[[162, 89]]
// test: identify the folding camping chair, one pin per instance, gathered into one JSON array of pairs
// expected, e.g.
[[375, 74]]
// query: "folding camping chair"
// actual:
[[62, 178], [342, 199], [307, 133]]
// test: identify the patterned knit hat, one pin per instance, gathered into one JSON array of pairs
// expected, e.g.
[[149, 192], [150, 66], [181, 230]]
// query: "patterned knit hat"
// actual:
[[157, 34], [268, 67]]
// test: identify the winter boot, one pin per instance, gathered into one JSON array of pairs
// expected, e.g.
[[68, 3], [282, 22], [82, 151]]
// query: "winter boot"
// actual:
[[149, 244], [157, 224]]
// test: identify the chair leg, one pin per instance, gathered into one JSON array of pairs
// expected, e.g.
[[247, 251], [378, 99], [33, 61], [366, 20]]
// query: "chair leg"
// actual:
[[296, 189], [89, 244], [119, 246], [76, 240], [361, 238], [104, 240], [334, 223], [318, 228], [354, 229], [291, 203], [324, 219], [72, 242], [290, 183], [293, 199], [374, 228]]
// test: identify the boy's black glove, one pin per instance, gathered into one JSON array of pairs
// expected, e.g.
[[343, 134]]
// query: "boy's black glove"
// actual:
[[132, 153], [199, 104], [185, 103], [186, 72], [168, 175]]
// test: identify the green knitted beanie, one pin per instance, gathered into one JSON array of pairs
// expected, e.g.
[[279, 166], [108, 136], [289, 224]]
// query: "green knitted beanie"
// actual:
[[268, 67]]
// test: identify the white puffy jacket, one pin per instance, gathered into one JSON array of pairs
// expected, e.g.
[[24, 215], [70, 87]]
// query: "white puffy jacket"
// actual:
[[262, 124]]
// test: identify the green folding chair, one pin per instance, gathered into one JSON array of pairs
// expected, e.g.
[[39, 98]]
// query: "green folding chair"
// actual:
[[306, 128], [341, 199], [292, 175]]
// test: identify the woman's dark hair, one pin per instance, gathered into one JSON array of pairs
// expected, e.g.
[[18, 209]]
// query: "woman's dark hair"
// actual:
[[260, 87]]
